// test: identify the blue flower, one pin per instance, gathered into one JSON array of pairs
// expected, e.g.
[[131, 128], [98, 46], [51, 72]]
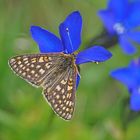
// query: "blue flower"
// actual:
[[122, 18], [130, 77], [70, 34]]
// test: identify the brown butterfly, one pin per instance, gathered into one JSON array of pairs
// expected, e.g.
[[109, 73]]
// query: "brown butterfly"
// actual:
[[56, 73]]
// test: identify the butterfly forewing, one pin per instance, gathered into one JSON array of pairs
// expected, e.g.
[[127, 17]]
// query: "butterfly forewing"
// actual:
[[34, 67], [56, 73]]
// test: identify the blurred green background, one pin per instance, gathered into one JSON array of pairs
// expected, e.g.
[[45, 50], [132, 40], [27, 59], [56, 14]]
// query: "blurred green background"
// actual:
[[24, 114]]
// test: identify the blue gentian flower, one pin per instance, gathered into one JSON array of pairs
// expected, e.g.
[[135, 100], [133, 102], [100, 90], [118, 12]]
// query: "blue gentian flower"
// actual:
[[122, 18], [70, 34], [130, 77]]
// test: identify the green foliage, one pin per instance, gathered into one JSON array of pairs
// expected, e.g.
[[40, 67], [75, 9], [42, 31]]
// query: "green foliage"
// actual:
[[24, 114]]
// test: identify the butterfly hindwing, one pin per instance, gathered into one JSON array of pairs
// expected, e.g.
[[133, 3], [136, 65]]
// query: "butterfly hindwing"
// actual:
[[62, 95]]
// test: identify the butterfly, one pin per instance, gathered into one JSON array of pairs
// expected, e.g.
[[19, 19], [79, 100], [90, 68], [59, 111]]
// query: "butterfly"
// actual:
[[56, 73]]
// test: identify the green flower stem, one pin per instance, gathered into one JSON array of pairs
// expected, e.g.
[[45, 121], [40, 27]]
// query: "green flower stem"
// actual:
[[103, 39]]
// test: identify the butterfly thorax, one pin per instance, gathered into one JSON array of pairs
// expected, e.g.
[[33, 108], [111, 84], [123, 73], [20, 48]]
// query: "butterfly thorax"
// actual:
[[68, 61]]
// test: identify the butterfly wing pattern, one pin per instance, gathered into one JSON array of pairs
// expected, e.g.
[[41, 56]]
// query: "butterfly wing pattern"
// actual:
[[55, 73]]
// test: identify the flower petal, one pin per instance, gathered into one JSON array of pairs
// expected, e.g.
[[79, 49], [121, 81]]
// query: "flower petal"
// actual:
[[126, 46], [133, 18], [119, 8], [108, 19], [70, 32], [135, 63], [93, 54], [135, 35], [47, 41], [126, 76], [135, 100], [77, 80]]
